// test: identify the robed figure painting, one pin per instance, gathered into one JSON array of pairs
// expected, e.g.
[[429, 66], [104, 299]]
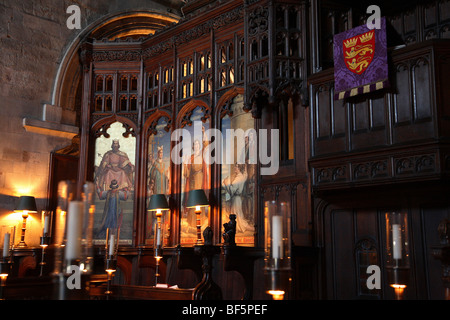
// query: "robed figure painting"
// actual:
[[239, 177], [158, 174], [195, 175], [114, 181]]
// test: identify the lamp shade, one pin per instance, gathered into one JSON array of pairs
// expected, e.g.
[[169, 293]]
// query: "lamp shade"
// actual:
[[197, 198], [158, 201], [27, 203]]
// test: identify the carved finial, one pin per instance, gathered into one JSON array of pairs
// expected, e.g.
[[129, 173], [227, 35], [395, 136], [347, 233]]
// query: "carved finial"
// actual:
[[208, 235], [229, 234]]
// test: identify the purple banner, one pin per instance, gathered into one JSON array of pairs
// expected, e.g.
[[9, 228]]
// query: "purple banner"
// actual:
[[360, 61]]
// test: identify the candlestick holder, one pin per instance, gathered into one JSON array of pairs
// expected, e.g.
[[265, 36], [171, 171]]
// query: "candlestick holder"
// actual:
[[158, 241], [46, 221], [73, 240], [44, 242], [111, 251], [397, 251], [277, 227], [66, 193], [110, 268], [5, 268], [159, 205], [5, 258]]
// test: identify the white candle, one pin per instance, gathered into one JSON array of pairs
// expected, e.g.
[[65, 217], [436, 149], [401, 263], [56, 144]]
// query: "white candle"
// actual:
[[158, 234], [6, 245], [277, 237], [46, 224], [13, 235], [74, 223], [111, 245], [397, 241]]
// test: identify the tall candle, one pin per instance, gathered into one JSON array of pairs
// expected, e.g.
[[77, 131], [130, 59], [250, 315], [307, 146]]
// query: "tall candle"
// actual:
[[46, 224], [6, 245], [111, 245], [158, 234], [74, 224], [397, 241], [277, 237], [13, 235]]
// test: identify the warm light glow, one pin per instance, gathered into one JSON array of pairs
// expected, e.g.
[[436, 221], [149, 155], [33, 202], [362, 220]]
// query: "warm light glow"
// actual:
[[158, 212], [23, 184], [276, 294], [197, 208], [3, 276], [135, 32], [109, 271], [141, 14], [398, 286]]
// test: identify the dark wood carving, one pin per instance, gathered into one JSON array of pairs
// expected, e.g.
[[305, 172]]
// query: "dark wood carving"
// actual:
[[442, 253], [390, 121], [207, 289], [283, 52]]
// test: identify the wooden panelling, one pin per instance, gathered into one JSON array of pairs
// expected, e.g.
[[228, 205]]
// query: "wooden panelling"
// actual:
[[353, 220], [431, 215], [388, 134], [328, 121], [368, 127]]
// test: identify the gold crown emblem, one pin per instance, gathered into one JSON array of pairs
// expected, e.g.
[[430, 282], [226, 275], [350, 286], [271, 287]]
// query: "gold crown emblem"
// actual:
[[367, 36], [350, 42]]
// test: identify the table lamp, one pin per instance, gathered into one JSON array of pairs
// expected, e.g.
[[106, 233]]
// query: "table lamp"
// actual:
[[197, 199], [26, 205], [158, 203]]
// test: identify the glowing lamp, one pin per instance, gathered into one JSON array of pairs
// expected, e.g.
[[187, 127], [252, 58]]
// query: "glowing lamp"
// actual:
[[158, 203], [26, 205], [197, 199]]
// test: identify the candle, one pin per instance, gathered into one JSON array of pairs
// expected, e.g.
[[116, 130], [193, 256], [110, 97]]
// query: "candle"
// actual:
[[277, 237], [6, 245], [158, 235], [46, 224], [13, 235], [74, 223], [397, 241], [111, 245]]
